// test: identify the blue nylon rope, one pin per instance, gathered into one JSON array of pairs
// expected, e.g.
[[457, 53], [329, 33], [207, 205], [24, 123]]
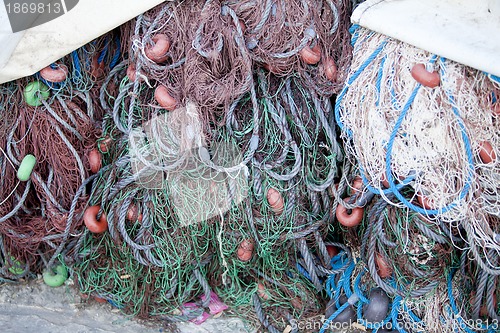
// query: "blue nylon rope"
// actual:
[[379, 80], [104, 52], [375, 190], [353, 30], [468, 149], [358, 290], [350, 81], [77, 73], [303, 271], [412, 315], [396, 304], [116, 56], [346, 279], [393, 188], [493, 77]]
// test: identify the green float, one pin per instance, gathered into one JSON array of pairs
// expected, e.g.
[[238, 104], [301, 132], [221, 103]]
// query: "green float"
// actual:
[[35, 92], [55, 277], [26, 167]]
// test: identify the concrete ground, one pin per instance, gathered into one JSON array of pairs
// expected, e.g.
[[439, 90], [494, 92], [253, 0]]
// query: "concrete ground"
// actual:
[[36, 308]]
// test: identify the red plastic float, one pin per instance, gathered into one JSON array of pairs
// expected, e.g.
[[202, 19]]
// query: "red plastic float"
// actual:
[[275, 200], [158, 51], [347, 219], [245, 250], [95, 160], [55, 75], [487, 153], [164, 98], [92, 223], [311, 56], [424, 77], [384, 270], [331, 70]]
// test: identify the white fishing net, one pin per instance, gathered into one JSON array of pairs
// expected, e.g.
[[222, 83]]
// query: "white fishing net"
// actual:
[[431, 138]]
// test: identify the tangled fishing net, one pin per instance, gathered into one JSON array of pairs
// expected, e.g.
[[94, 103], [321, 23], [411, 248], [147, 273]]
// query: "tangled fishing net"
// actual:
[[57, 123], [422, 132], [256, 158], [218, 152], [441, 141]]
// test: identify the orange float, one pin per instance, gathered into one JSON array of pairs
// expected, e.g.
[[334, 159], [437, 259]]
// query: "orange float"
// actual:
[[487, 153], [384, 270], [331, 71], [357, 184], [332, 250], [105, 143], [261, 291], [158, 51], [496, 108], [275, 200], [133, 213], [55, 75], [347, 219], [95, 160], [164, 98], [92, 223], [245, 250], [311, 56], [424, 77], [131, 72], [424, 202]]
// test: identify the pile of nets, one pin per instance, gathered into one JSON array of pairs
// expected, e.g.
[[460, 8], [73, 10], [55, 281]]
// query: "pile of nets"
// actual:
[[51, 119], [422, 133], [217, 153], [259, 159]]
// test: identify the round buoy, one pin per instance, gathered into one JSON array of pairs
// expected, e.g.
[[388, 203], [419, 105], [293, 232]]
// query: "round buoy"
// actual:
[[95, 160], [245, 250], [332, 250], [346, 316], [133, 213], [105, 143], [424, 201], [92, 223], [158, 51], [376, 310], [35, 92], [275, 200], [55, 75], [347, 219], [56, 277], [311, 56], [262, 292], [424, 77], [164, 98], [487, 153], [330, 68], [384, 270]]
